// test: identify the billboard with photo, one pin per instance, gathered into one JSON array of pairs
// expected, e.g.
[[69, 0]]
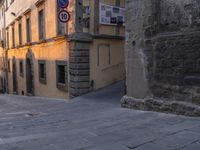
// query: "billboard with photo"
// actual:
[[111, 15]]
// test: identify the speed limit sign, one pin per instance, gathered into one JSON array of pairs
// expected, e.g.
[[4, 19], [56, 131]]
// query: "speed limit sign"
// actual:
[[64, 16]]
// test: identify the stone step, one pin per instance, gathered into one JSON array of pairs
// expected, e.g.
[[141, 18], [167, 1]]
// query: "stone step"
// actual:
[[176, 107]]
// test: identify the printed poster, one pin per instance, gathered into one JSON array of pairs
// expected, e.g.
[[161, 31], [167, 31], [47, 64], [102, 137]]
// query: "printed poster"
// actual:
[[111, 15]]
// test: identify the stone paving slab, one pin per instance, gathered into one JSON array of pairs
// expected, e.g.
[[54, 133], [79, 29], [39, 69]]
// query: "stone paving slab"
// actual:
[[91, 122]]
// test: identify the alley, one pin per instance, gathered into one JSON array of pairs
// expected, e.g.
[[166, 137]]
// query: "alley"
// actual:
[[91, 122]]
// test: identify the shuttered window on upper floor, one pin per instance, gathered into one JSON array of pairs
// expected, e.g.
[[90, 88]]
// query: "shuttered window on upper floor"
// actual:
[[20, 32], [28, 30], [41, 20]]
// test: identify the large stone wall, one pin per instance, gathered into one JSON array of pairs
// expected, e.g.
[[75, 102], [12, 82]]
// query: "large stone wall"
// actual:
[[177, 15], [163, 40], [176, 50], [177, 62]]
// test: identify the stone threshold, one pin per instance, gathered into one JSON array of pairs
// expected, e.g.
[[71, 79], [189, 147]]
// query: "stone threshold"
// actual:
[[174, 107]]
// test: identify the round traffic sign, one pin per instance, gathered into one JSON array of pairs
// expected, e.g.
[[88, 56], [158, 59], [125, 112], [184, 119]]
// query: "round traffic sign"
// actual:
[[63, 3], [64, 16]]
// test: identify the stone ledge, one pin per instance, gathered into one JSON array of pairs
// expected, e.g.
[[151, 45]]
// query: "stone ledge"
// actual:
[[175, 107], [80, 37]]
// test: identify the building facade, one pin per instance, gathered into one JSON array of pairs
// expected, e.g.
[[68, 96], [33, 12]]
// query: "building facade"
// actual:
[[2, 54], [162, 56], [46, 57]]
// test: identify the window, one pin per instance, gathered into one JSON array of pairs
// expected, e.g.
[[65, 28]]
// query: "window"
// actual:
[[20, 33], [28, 30], [7, 34], [13, 36], [41, 24], [8, 65], [21, 68], [61, 75], [42, 71]]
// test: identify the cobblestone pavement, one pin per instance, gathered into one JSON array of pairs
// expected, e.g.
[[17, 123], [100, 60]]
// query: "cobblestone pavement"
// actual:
[[91, 122]]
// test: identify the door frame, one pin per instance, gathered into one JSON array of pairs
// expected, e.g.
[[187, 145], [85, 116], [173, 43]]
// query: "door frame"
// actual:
[[14, 76], [30, 72]]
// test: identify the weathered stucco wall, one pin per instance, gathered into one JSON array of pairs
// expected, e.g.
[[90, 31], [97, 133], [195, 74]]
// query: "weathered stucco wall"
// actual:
[[95, 58], [40, 53], [136, 18], [162, 55], [107, 62]]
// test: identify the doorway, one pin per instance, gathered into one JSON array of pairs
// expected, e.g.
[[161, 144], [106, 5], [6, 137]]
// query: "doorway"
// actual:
[[14, 74], [29, 74], [29, 77]]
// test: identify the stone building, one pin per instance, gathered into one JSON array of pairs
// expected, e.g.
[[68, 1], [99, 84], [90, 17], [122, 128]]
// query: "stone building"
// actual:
[[163, 56], [2, 60], [62, 60]]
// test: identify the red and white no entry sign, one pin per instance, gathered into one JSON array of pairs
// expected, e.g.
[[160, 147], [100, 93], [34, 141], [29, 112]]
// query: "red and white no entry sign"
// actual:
[[64, 16]]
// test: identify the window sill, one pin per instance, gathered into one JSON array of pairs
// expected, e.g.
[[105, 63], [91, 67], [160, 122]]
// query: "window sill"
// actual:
[[41, 41], [59, 37], [28, 44], [62, 87]]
